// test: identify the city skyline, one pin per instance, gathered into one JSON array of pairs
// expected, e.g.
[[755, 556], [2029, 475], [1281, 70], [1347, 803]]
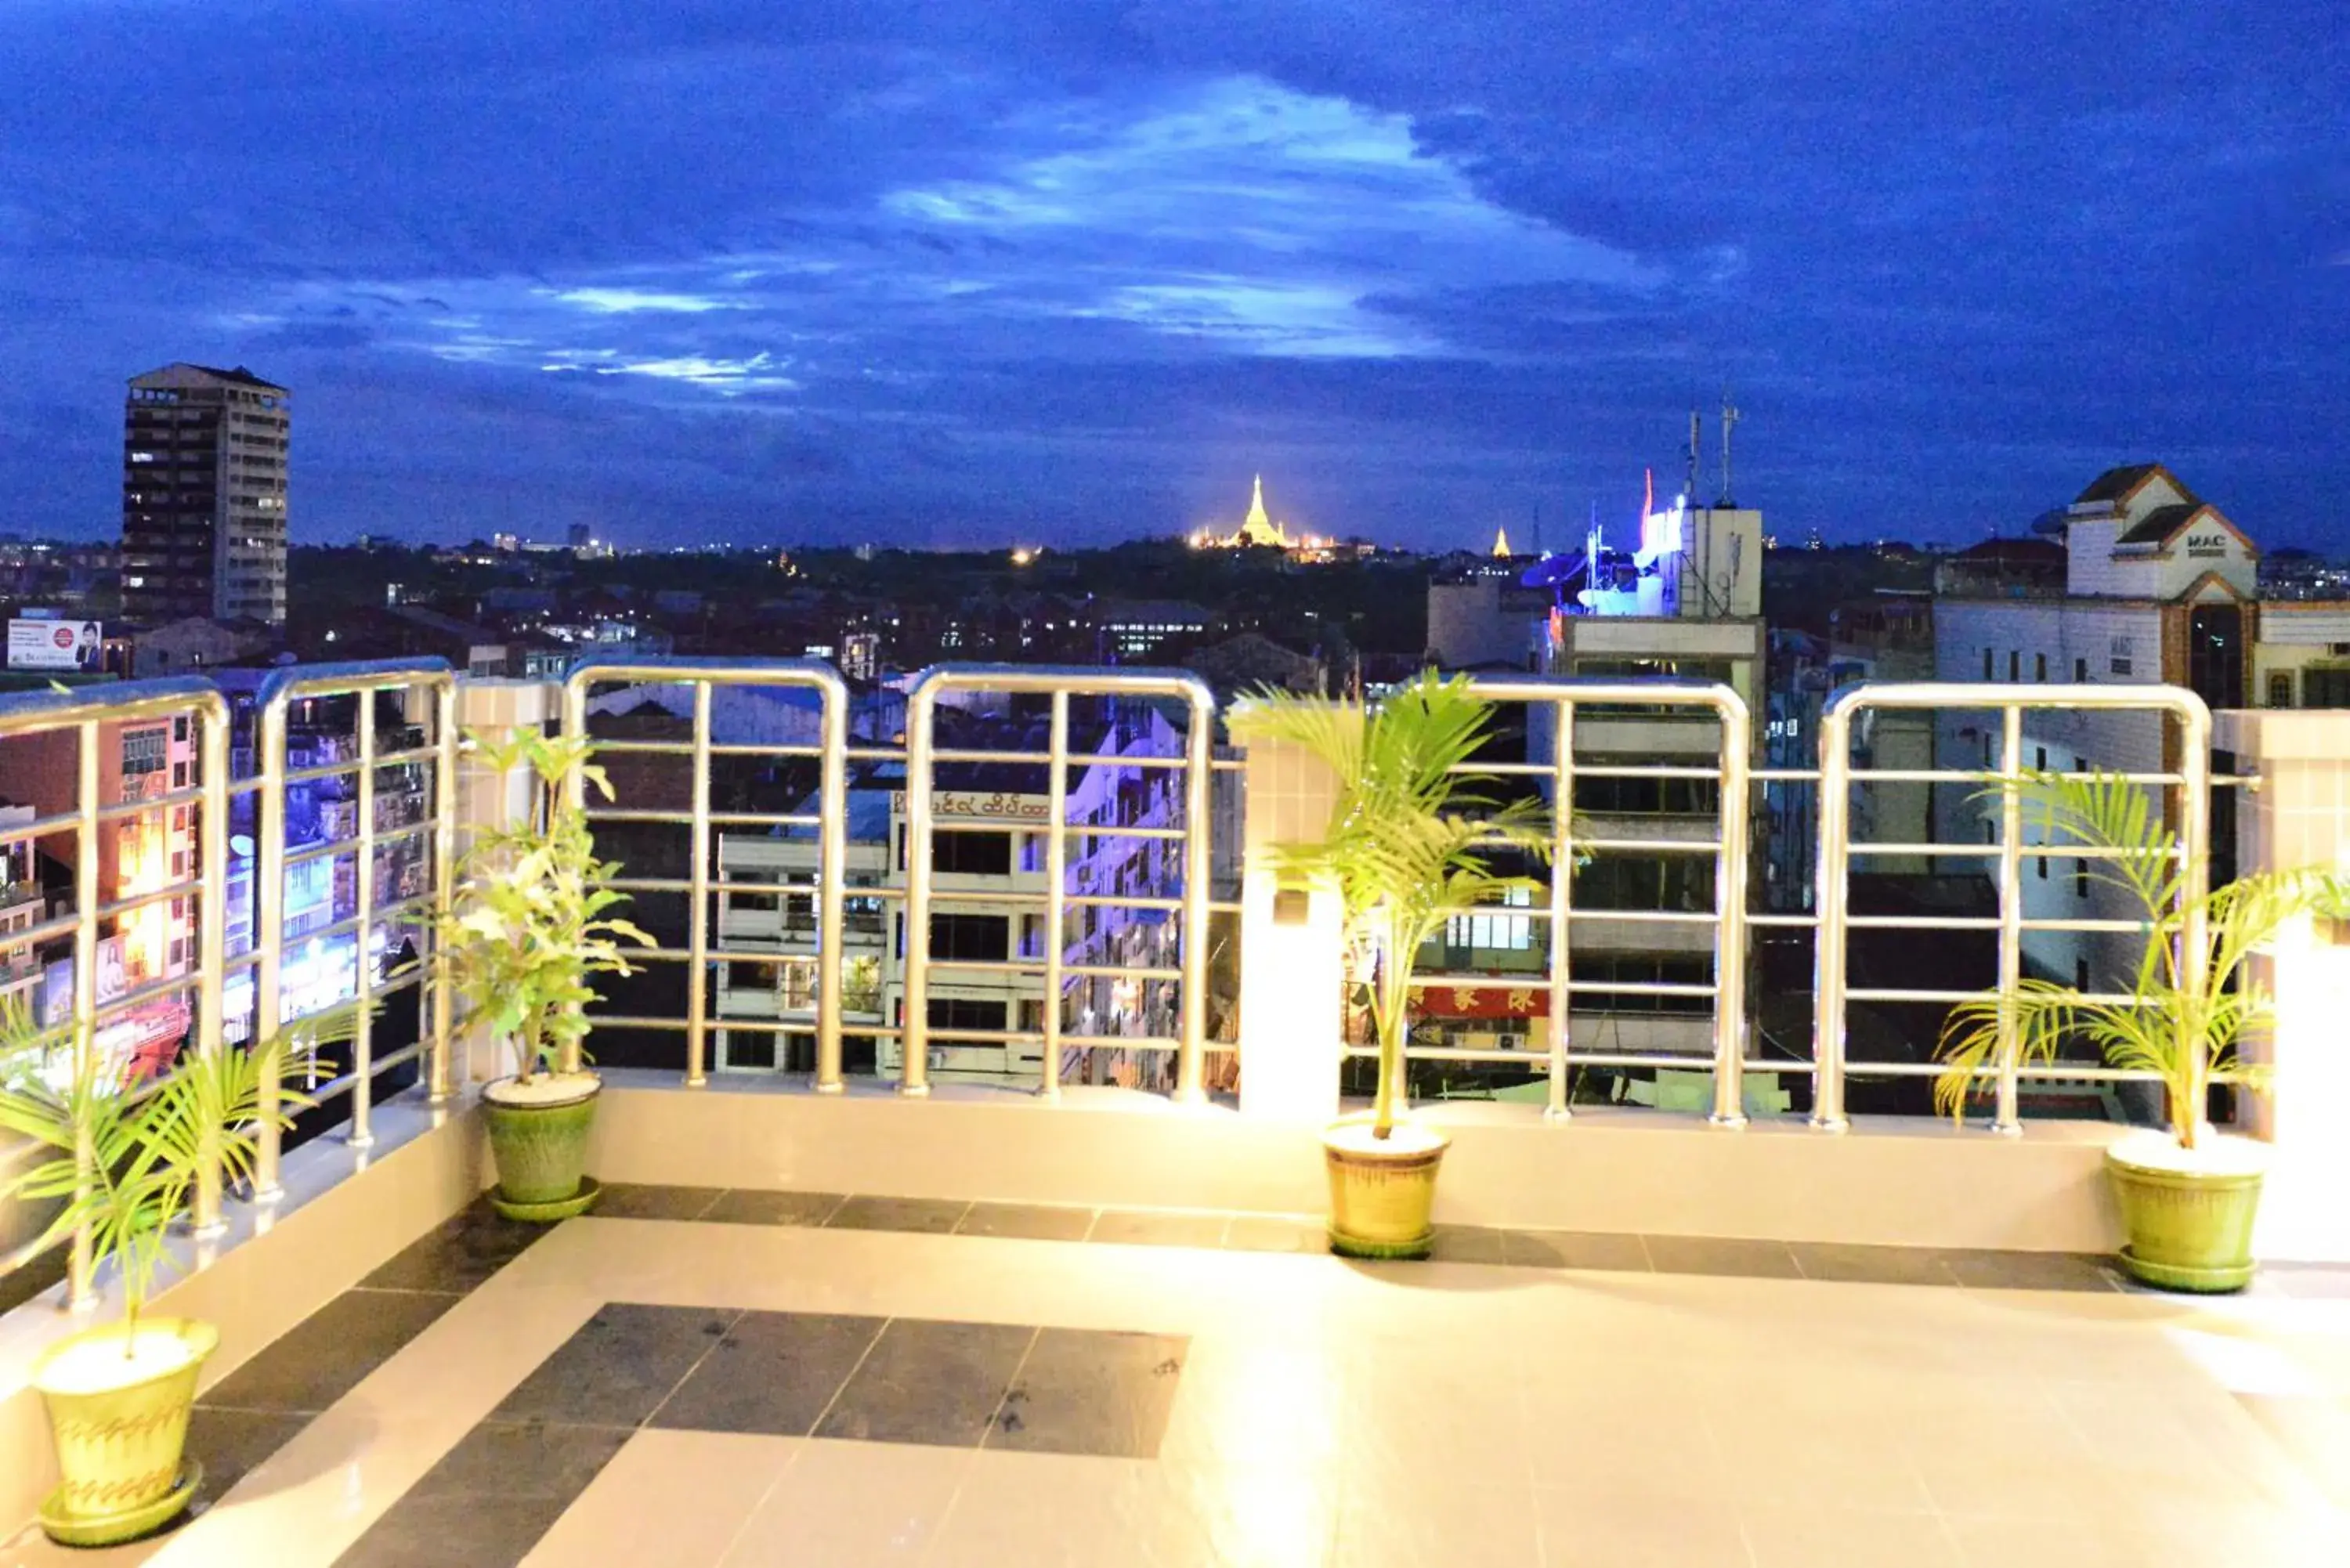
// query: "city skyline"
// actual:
[[968, 278]]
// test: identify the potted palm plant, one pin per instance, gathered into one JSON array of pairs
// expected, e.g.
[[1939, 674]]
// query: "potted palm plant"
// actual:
[[127, 1159], [531, 925], [2188, 1194], [1407, 847]]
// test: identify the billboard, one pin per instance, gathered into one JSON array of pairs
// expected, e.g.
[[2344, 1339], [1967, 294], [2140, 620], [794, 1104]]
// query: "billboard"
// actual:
[[54, 645]]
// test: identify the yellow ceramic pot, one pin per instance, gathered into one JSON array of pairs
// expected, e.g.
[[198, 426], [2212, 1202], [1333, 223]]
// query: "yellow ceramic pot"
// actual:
[[1382, 1190], [118, 1410]]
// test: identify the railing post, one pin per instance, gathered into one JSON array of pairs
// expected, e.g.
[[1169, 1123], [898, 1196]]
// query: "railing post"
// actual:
[[2006, 1113], [1730, 917], [914, 1026], [81, 1270], [1832, 898], [1559, 1023], [697, 963], [1056, 883], [832, 879], [211, 715], [1198, 764], [269, 934], [441, 1079], [2195, 847], [362, 1133]]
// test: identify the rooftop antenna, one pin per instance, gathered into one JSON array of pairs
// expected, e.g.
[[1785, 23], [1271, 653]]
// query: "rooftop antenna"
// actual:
[[1692, 491], [1728, 419]]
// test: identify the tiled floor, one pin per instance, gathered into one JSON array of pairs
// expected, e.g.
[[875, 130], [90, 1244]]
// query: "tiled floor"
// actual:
[[696, 1378]]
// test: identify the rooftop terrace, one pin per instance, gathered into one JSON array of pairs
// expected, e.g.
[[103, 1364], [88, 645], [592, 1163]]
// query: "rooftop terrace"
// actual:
[[859, 1309]]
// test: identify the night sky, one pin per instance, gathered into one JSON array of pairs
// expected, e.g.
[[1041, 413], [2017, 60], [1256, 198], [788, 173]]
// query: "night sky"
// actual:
[[1060, 271]]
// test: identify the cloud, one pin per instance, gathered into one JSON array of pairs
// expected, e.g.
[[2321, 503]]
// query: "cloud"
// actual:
[[832, 267]]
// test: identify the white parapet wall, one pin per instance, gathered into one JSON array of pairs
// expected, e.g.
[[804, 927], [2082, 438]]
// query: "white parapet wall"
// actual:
[[345, 1212], [2300, 816], [1888, 1181]]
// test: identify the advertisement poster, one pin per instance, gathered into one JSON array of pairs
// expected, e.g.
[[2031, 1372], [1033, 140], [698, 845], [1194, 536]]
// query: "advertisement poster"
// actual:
[[63, 645]]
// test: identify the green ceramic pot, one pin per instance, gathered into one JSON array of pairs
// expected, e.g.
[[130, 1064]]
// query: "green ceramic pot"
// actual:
[[120, 1434], [2190, 1223], [540, 1147]]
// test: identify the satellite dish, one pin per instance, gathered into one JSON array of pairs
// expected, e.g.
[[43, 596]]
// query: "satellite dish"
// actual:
[[240, 844]]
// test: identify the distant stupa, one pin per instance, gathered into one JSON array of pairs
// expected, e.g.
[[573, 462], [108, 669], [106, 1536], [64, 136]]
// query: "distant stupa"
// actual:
[[1501, 542]]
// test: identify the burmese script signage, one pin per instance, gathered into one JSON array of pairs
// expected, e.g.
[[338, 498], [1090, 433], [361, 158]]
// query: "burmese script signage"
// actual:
[[998, 806]]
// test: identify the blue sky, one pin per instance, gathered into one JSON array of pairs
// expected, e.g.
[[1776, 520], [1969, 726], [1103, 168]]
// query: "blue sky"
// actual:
[[963, 272]]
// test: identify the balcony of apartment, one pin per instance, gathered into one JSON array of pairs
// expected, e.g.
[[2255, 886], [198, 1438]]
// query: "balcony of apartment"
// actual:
[[854, 1313]]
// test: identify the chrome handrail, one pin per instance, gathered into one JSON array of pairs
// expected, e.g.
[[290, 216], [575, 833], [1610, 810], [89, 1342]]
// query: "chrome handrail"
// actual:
[[1059, 683], [1833, 895], [415, 678], [832, 794]]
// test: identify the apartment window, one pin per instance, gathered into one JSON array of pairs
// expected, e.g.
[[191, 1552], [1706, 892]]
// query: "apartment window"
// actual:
[[973, 854], [2118, 657], [179, 776], [180, 728], [2081, 974], [985, 936], [1986, 664], [2323, 687], [1497, 932], [2040, 666], [2081, 670], [2080, 877], [2281, 691], [2040, 866], [2015, 664], [179, 862], [963, 1012], [2040, 759], [1988, 835]]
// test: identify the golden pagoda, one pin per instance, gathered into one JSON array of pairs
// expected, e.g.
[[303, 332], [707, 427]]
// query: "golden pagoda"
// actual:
[[1259, 529]]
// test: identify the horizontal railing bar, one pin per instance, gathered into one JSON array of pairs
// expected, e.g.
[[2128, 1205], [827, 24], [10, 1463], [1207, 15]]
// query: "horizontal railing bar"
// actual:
[[42, 827]]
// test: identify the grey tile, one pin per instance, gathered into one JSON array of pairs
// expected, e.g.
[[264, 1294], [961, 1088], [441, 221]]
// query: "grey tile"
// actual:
[[618, 1367], [325, 1355], [931, 1216], [1276, 1234], [1466, 1244], [773, 1373], [1616, 1252], [624, 1200], [757, 1206], [230, 1443], [458, 1256], [1851, 1263], [1032, 1222], [450, 1532], [2031, 1270], [1153, 1227], [925, 1382], [1734, 1255], [489, 1499], [1085, 1391]]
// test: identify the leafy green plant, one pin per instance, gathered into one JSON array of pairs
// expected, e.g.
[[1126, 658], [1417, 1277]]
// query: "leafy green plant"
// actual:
[[2191, 1005], [128, 1157], [1408, 843], [531, 923]]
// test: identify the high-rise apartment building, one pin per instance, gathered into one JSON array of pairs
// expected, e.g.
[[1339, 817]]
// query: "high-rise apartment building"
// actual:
[[203, 497]]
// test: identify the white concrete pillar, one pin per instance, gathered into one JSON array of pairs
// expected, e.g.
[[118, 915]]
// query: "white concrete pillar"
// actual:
[[493, 708], [1291, 959], [2300, 816]]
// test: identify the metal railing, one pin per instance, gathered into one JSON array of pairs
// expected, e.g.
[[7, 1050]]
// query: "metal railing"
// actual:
[[2192, 779], [1563, 696], [923, 756], [91, 717], [831, 823], [427, 683]]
